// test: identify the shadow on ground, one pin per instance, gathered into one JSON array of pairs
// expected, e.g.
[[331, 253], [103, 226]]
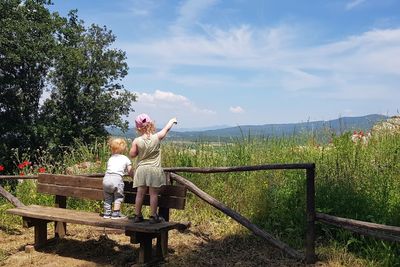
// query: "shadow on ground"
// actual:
[[233, 250], [194, 247], [103, 251]]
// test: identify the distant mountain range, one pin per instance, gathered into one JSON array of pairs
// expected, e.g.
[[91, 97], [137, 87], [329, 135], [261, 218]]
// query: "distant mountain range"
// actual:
[[339, 125]]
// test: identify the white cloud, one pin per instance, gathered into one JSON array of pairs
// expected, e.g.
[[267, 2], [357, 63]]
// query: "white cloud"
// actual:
[[163, 105], [142, 8], [297, 79], [276, 58], [189, 13], [353, 3], [237, 109], [239, 47], [244, 48], [169, 100]]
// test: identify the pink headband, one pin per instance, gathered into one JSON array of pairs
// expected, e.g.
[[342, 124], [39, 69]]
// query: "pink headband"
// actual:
[[142, 120]]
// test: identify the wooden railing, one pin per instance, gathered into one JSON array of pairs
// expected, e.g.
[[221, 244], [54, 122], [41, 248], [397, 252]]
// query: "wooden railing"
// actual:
[[310, 206], [21, 177], [310, 256], [380, 231]]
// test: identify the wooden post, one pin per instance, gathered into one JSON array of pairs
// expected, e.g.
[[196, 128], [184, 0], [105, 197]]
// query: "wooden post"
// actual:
[[162, 244], [60, 228], [168, 179], [145, 249], [310, 210], [162, 240], [40, 233]]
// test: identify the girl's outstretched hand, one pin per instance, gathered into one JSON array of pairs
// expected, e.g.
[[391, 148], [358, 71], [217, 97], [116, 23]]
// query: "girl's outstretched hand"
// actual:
[[161, 134], [173, 121]]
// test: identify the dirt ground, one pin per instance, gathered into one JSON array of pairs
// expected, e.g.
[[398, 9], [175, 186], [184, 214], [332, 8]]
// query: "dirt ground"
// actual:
[[89, 246]]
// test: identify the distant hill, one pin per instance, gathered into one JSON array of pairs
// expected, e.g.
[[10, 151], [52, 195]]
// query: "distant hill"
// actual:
[[216, 127], [339, 125]]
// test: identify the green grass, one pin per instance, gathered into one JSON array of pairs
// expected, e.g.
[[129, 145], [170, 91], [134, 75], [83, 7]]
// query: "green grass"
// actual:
[[352, 180]]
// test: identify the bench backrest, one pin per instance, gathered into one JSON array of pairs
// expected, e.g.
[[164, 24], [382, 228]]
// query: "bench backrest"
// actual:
[[85, 187]]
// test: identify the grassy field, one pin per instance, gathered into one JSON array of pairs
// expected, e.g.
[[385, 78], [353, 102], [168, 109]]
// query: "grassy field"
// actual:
[[353, 180]]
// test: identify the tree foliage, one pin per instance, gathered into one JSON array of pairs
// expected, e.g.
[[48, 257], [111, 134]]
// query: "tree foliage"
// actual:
[[42, 51], [26, 42], [86, 94]]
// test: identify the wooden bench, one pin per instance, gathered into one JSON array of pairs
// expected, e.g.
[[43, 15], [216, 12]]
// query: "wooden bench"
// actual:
[[84, 187]]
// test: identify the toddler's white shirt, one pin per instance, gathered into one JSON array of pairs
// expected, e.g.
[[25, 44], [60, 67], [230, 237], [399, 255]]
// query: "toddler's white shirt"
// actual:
[[118, 164]]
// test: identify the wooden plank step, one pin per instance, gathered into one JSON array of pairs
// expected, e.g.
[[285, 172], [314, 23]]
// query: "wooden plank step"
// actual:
[[93, 219]]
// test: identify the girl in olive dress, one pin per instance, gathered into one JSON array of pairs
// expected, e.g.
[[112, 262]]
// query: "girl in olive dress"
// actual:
[[148, 174]]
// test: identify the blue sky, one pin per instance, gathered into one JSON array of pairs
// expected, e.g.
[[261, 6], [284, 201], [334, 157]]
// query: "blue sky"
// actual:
[[239, 62]]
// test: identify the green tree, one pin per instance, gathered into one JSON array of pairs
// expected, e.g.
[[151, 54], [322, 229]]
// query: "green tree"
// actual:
[[41, 50], [86, 94], [26, 43]]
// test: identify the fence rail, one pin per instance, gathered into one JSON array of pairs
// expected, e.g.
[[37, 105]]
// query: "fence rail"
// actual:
[[380, 231], [292, 166], [20, 177]]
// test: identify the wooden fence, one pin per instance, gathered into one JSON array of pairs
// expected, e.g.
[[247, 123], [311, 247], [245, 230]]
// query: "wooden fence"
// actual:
[[310, 256], [310, 209], [380, 231], [384, 232]]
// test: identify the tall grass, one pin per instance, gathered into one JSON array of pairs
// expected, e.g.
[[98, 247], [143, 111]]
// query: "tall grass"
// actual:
[[352, 180]]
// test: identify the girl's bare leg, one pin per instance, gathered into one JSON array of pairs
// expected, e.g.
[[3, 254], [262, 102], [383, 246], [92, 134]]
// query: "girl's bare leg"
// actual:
[[141, 191], [153, 200]]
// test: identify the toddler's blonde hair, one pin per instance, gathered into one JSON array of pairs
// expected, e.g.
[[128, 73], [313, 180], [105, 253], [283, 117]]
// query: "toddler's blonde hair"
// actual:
[[117, 145]]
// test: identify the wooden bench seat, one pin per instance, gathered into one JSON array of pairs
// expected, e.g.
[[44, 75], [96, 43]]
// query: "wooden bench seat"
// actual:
[[63, 186]]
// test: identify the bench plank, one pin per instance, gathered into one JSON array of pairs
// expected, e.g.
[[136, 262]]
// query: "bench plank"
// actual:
[[93, 219], [167, 199], [97, 183], [166, 190], [163, 201], [69, 191], [71, 180]]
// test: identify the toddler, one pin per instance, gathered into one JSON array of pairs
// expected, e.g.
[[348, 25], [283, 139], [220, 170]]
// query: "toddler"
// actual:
[[113, 185]]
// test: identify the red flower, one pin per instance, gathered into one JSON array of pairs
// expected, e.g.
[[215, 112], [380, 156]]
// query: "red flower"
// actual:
[[21, 166], [26, 163], [21, 174], [42, 169], [1, 168]]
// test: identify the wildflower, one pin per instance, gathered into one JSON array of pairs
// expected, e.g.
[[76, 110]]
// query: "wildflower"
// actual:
[[26, 163], [21, 174], [42, 169], [1, 168], [21, 166]]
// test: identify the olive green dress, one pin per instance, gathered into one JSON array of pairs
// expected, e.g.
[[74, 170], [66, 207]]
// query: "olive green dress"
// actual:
[[148, 171]]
